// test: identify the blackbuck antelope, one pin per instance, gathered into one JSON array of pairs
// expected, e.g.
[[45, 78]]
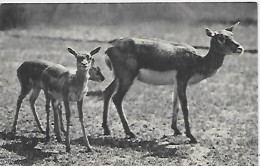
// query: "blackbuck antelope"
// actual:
[[159, 62], [59, 84]]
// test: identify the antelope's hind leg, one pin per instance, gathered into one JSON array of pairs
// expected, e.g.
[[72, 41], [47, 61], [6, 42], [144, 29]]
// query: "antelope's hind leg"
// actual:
[[124, 84], [32, 100], [47, 109], [107, 96], [25, 89]]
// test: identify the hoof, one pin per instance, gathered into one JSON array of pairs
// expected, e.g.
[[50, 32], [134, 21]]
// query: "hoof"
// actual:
[[68, 149], [64, 132], [42, 131], [177, 132], [58, 139], [89, 149], [47, 138], [9, 135], [192, 139], [86, 150], [131, 135], [13, 131], [107, 132]]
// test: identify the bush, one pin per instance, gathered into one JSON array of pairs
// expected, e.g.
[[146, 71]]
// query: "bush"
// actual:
[[12, 16]]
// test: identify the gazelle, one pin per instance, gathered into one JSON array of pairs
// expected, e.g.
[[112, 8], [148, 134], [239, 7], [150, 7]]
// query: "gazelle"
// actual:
[[60, 84], [159, 62], [29, 75]]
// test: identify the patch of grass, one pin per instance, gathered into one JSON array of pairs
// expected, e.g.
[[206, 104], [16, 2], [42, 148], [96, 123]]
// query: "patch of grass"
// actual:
[[223, 109]]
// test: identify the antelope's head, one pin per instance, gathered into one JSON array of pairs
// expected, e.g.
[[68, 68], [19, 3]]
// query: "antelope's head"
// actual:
[[222, 41], [86, 62]]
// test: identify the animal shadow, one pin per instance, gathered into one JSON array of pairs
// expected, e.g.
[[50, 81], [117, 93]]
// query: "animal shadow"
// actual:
[[24, 146], [154, 147]]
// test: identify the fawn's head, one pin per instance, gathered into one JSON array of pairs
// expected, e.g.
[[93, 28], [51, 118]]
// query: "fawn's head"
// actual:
[[222, 41], [95, 74], [85, 62]]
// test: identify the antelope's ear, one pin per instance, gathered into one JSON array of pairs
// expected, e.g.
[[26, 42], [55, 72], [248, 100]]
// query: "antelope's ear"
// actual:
[[209, 32], [232, 27], [72, 52], [95, 51]]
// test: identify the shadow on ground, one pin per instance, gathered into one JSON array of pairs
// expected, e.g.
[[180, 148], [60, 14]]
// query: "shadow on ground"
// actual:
[[25, 146], [154, 147]]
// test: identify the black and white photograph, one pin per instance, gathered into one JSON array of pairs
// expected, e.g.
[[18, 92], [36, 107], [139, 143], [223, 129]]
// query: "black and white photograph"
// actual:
[[129, 83]]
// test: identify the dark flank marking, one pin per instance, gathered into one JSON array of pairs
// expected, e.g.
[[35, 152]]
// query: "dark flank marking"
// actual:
[[160, 56]]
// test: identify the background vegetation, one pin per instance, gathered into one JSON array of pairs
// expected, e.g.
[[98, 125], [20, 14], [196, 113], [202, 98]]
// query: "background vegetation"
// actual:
[[27, 15]]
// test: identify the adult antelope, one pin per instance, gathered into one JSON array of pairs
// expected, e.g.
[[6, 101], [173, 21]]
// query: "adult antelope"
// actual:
[[159, 62]]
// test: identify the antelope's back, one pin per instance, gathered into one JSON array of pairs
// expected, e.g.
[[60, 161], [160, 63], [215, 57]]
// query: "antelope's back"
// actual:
[[32, 70], [153, 54]]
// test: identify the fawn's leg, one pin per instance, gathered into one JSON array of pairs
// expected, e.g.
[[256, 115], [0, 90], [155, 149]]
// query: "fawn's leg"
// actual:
[[59, 108], [47, 107], [25, 89], [68, 116], [56, 120], [32, 100], [85, 139]]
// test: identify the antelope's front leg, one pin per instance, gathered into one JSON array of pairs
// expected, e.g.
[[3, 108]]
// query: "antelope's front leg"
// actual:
[[175, 111], [59, 108], [56, 119], [68, 115], [181, 88], [47, 107], [85, 139]]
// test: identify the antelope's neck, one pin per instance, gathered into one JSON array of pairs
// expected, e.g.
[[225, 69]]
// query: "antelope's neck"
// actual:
[[212, 62], [78, 86], [81, 77]]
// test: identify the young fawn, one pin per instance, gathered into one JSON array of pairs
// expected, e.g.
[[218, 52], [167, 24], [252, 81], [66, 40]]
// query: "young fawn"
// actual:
[[60, 84], [159, 62], [29, 75]]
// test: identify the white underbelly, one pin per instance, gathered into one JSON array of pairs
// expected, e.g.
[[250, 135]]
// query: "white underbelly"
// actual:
[[156, 77], [164, 78], [196, 78]]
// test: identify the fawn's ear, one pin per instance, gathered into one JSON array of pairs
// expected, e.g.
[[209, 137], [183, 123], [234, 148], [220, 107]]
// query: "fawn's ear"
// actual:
[[72, 52], [232, 27], [95, 51], [209, 32]]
